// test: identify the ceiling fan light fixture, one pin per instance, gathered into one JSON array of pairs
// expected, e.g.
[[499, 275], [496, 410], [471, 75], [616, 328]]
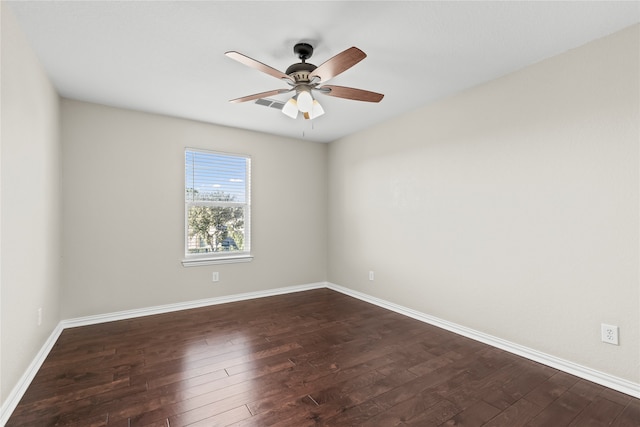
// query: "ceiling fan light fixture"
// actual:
[[291, 108], [304, 77], [305, 101]]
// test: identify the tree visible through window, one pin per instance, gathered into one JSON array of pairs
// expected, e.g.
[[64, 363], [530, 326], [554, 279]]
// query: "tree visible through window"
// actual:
[[217, 204]]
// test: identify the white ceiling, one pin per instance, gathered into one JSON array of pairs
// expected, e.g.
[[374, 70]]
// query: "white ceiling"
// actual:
[[168, 57]]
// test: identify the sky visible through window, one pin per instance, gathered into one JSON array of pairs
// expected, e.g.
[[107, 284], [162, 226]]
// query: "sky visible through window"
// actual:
[[209, 173]]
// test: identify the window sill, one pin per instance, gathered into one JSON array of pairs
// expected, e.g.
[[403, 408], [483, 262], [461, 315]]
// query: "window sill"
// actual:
[[194, 262]]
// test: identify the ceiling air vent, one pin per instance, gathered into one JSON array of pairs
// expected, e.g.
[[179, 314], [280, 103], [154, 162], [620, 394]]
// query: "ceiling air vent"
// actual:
[[270, 103]]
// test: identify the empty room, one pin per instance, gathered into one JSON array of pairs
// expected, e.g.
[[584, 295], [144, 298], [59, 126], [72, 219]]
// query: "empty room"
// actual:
[[366, 213]]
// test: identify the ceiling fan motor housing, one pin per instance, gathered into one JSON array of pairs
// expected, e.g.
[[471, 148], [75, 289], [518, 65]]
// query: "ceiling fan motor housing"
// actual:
[[300, 71]]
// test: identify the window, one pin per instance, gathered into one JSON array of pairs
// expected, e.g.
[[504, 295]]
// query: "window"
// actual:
[[217, 207]]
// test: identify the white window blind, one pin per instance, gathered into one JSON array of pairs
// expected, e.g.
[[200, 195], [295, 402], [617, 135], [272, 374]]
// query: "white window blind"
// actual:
[[217, 206]]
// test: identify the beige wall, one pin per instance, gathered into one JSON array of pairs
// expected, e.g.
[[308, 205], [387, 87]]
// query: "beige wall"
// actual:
[[123, 212], [30, 205], [511, 208]]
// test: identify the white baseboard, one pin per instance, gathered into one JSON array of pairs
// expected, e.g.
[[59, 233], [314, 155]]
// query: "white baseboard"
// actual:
[[607, 380], [610, 381], [168, 308], [12, 400]]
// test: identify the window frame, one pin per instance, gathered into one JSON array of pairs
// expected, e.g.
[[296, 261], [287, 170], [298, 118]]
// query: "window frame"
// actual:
[[208, 258]]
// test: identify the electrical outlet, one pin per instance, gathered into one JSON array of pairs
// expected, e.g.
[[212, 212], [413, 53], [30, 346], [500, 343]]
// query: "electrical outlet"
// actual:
[[371, 275], [40, 316], [215, 276], [609, 334]]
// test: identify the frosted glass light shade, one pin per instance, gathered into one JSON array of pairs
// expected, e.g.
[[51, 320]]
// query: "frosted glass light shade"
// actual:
[[305, 101], [317, 109], [291, 108]]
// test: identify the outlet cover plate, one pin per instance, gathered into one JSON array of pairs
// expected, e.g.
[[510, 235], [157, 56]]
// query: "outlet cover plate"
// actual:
[[609, 334]]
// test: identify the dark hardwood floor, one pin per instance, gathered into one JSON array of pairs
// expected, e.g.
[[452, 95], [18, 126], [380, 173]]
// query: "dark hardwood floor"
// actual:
[[302, 359]]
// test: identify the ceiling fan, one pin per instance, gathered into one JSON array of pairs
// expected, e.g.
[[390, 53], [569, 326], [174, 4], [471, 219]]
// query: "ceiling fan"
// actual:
[[303, 78]]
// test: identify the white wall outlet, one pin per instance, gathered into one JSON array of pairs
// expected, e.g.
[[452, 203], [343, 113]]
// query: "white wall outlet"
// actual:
[[371, 275], [40, 316], [609, 334], [215, 276]]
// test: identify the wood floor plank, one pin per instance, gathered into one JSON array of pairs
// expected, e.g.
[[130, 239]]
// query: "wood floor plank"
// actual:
[[224, 419], [629, 416], [600, 412], [314, 358], [475, 415], [407, 409], [320, 387], [436, 415], [159, 423], [551, 389], [516, 415], [561, 412]]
